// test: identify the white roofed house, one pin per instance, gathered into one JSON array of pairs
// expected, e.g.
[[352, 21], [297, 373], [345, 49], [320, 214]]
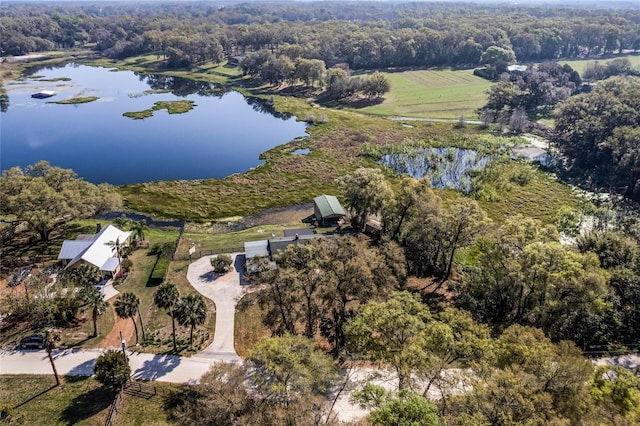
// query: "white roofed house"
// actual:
[[98, 250]]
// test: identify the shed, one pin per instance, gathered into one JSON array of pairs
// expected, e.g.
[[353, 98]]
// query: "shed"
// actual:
[[327, 208]]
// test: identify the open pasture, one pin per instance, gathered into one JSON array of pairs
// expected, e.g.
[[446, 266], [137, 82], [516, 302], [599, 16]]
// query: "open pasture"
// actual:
[[433, 94]]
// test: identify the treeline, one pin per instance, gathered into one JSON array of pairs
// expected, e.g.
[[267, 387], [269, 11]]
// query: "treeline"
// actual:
[[495, 333], [361, 36]]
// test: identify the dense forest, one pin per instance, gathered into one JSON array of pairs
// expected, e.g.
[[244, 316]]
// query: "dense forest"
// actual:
[[363, 36]]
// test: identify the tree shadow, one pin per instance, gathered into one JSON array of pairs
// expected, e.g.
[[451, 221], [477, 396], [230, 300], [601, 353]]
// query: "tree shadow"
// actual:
[[156, 367], [83, 369], [210, 276], [26, 401], [87, 405]]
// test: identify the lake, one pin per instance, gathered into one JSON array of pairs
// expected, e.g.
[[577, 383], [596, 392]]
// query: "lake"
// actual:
[[222, 135]]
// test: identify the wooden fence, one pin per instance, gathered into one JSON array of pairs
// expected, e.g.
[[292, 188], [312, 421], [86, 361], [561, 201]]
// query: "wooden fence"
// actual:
[[113, 411]]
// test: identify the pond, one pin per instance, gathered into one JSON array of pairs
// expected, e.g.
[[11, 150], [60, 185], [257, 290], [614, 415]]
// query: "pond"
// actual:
[[445, 167], [224, 133]]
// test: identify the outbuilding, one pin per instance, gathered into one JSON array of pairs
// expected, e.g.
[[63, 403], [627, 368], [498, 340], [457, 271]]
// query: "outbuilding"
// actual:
[[327, 209]]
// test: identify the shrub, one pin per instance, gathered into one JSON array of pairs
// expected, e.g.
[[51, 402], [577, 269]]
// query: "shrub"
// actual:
[[310, 118], [221, 263], [160, 270], [126, 264], [111, 369]]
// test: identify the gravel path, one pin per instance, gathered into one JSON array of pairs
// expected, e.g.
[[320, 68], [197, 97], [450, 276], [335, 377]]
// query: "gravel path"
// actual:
[[225, 291]]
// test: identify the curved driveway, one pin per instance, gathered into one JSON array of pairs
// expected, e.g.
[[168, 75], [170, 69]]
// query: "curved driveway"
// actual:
[[225, 291]]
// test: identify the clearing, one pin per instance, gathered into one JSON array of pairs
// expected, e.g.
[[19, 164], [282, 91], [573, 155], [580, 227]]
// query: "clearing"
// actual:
[[433, 94]]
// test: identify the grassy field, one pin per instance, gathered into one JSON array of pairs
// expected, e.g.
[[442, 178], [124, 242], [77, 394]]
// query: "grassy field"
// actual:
[[579, 65], [79, 400], [433, 94]]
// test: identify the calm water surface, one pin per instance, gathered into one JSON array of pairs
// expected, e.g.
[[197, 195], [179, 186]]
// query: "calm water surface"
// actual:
[[224, 134]]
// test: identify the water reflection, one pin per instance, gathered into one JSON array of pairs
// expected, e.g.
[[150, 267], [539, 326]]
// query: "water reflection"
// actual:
[[445, 167], [224, 134]]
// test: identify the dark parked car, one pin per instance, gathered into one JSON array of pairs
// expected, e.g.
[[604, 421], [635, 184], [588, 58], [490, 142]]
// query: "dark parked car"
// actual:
[[32, 342]]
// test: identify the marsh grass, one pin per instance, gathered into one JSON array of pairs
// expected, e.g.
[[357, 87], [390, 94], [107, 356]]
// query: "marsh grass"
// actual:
[[172, 107], [72, 101], [55, 79]]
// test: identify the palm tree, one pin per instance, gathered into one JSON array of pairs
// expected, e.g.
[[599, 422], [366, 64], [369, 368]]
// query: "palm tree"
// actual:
[[167, 297], [92, 297], [139, 228], [51, 338], [118, 246], [127, 305], [191, 310]]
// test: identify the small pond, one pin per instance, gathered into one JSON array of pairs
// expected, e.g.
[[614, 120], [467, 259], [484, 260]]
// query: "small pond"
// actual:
[[445, 167], [223, 134], [301, 151]]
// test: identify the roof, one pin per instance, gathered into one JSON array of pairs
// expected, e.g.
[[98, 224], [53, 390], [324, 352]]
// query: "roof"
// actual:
[[256, 248], [72, 248], [328, 205], [299, 231], [97, 251], [519, 68], [281, 243]]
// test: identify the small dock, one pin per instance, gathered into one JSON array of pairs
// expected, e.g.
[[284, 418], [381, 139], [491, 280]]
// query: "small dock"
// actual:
[[43, 94]]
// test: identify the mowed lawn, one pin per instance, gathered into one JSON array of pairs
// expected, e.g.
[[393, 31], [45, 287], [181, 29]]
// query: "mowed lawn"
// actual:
[[580, 65], [433, 94]]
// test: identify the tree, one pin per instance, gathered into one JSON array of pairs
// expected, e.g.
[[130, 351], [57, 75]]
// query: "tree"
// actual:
[[526, 379], [127, 306], [597, 134], [221, 263], [616, 391], [118, 247], [166, 297], [290, 368], [44, 197], [51, 338], [404, 206], [376, 85], [392, 332], [95, 299], [366, 192], [111, 369], [191, 310], [497, 59], [220, 398], [139, 228], [405, 408], [81, 276], [354, 274]]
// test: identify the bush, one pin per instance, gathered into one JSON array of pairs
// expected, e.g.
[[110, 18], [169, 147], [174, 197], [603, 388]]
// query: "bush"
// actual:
[[160, 270], [112, 370], [221, 263], [126, 264]]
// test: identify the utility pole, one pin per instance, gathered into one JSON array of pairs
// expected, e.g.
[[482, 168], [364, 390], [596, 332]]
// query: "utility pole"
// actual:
[[124, 346]]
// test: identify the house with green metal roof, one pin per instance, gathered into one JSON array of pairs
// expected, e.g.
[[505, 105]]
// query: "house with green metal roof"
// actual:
[[327, 209]]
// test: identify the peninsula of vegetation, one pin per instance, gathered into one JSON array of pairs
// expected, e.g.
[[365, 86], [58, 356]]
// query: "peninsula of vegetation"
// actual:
[[458, 245]]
